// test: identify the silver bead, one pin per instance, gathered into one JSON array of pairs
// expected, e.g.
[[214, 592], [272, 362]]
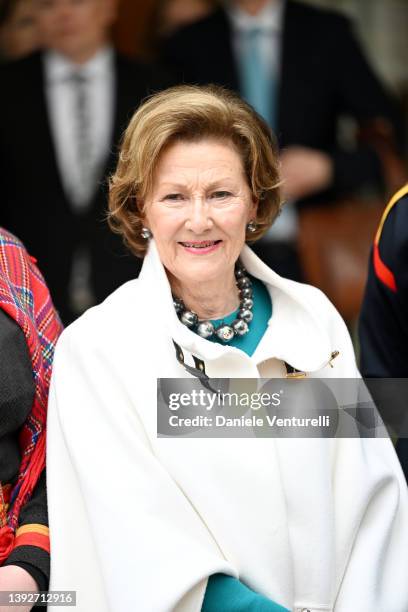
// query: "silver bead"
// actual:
[[146, 233], [225, 333], [239, 272], [247, 303], [205, 329], [244, 282], [189, 318], [246, 314], [178, 305], [240, 327], [246, 292]]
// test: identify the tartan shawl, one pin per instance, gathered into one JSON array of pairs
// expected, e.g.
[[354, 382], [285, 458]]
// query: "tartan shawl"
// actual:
[[24, 296]]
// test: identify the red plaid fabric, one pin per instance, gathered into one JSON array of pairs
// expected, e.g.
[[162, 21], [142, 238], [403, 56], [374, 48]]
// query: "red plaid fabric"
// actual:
[[25, 298]]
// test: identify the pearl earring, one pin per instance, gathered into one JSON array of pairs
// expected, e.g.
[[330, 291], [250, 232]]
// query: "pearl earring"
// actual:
[[146, 233]]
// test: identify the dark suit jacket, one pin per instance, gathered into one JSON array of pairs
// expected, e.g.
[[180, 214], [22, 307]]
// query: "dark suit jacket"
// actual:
[[323, 75], [34, 205]]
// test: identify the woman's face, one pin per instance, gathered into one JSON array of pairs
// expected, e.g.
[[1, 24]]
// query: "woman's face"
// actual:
[[198, 210]]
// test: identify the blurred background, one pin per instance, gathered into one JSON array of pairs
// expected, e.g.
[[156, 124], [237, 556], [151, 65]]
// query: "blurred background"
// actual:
[[325, 240], [380, 24]]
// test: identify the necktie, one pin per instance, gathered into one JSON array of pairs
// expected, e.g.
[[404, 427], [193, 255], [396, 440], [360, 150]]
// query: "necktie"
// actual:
[[257, 81], [84, 187], [80, 292]]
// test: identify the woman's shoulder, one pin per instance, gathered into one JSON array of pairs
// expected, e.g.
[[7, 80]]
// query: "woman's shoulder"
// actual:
[[318, 301], [296, 297], [109, 318], [308, 307], [309, 298]]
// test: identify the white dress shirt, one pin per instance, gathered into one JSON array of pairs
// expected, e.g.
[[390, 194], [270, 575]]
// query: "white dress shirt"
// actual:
[[61, 96], [62, 109], [269, 21]]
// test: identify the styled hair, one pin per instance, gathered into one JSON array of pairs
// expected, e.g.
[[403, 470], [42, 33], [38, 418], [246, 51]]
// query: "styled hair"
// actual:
[[190, 113]]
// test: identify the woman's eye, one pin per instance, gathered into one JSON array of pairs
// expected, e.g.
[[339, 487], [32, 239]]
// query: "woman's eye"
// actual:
[[220, 194], [174, 197]]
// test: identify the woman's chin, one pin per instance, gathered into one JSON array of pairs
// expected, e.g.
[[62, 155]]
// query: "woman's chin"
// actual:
[[201, 269], [190, 268]]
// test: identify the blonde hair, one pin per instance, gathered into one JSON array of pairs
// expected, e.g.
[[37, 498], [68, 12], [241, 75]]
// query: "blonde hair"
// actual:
[[190, 113]]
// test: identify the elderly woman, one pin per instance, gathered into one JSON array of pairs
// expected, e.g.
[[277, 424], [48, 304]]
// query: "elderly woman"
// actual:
[[151, 523]]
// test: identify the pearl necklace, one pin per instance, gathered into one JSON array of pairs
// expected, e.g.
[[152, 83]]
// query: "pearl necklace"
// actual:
[[239, 327]]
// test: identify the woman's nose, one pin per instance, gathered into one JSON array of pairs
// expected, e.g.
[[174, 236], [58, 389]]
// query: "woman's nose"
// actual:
[[199, 217]]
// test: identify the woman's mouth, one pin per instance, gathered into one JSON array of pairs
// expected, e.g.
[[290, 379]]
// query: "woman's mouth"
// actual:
[[201, 247]]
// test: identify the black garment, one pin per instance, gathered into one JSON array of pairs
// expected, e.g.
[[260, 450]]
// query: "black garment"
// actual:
[[323, 75], [34, 205], [384, 315], [16, 399], [282, 256]]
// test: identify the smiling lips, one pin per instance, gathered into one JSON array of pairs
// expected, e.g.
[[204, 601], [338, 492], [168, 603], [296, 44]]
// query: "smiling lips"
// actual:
[[201, 247]]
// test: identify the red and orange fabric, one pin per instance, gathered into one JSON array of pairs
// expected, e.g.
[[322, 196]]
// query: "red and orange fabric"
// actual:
[[24, 296]]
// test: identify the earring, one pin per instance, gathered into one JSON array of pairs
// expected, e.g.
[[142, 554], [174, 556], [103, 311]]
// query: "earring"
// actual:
[[146, 233], [251, 227]]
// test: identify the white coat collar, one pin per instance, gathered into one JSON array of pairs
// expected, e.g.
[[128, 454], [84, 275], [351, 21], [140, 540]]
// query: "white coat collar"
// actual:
[[295, 331]]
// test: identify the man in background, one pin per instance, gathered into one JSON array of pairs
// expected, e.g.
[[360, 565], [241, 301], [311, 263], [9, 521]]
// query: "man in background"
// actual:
[[302, 70], [62, 113]]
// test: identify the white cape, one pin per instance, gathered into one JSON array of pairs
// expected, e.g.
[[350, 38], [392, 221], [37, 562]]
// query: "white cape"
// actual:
[[139, 522]]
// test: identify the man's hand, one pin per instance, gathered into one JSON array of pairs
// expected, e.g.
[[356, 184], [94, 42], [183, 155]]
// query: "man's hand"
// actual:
[[15, 578], [305, 172]]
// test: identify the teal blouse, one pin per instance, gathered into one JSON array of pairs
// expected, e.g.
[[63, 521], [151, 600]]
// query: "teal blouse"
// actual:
[[225, 593]]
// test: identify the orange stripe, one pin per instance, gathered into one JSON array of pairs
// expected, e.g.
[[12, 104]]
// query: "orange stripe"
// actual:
[[400, 194], [33, 539], [382, 271], [33, 528]]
